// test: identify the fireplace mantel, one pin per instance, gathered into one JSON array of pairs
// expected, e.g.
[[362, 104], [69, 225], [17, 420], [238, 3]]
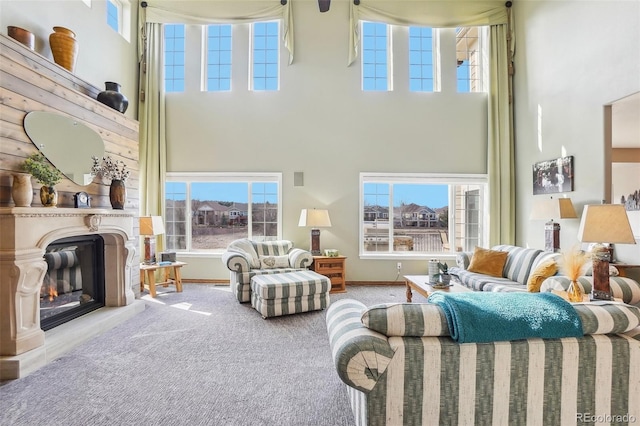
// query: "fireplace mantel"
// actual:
[[25, 234]]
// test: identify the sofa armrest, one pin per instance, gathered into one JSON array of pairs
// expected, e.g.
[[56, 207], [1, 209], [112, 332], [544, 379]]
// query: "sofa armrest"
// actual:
[[299, 258], [360, 355], [463, 259], [236, 261], [621, 287]]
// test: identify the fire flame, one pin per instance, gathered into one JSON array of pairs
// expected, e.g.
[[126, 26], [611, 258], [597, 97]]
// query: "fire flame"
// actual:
[[50, 291]]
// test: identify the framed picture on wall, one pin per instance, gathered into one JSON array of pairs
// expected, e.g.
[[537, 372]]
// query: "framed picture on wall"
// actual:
[[553, 176]]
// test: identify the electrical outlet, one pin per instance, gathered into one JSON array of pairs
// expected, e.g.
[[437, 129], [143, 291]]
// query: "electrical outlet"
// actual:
[[399, 265]]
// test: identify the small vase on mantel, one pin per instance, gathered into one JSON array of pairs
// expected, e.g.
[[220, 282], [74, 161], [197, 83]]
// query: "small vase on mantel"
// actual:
[[48, 196], [112, 97], [64, 47], [117, 194], [22, 190]]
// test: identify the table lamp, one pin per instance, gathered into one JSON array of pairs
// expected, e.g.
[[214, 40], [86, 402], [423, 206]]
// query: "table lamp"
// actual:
[[315, 218], [150, 226], [552, 209], [604, 223]]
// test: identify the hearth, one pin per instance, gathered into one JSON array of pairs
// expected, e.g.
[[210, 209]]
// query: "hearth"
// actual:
[[74, 282]]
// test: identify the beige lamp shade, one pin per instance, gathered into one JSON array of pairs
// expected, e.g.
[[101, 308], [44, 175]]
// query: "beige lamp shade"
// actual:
[[553, 208], [605, 223], [151, 225], [315, 218]]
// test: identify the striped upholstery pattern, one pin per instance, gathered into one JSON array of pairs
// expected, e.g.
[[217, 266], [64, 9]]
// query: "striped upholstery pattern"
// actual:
[[63, 271], [242, 258], [402, 380], [622, 288], [406, 319], [521, 262], [289, 293]]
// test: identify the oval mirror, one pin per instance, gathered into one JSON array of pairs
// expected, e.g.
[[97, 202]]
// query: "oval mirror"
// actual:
[[67, 143]]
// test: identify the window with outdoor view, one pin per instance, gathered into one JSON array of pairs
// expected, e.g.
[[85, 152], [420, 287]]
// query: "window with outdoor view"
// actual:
[[405, 214], [174, 58], [207, 211], [218, 58], [471, 54], [375, 56], [266, 54], [421, 65]]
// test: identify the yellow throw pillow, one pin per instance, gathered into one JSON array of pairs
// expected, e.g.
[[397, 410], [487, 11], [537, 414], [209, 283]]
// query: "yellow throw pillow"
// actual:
[[542, 272], [488, 262]]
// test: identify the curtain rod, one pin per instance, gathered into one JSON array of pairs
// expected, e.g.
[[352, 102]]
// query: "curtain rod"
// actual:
[[282, 2]]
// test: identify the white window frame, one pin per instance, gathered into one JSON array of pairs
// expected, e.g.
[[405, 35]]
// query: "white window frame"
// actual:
[[389, 57], [124, 18], [423, 178], [222, 177], [251, 56]]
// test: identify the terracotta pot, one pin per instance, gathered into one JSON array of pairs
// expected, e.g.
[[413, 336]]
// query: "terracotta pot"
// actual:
[[48, 196], [22, 190], [64, 47], [23, 36], [117, 194]]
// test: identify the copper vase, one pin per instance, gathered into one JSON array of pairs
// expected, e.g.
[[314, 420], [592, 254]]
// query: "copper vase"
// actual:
[[117, 194], [23, 36], [64, 47]]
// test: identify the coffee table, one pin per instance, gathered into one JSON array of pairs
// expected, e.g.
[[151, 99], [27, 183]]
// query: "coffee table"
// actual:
[[420, 283]]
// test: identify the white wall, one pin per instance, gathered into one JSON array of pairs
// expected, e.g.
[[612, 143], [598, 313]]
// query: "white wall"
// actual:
[[322, 124], [572, 58], [103, 55]]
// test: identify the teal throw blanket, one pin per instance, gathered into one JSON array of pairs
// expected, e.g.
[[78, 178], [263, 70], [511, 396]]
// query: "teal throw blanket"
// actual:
[[489, 317]]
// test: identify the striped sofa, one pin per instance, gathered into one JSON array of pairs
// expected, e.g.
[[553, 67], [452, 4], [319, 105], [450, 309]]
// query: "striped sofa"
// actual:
[[401, 367], [521, 263], [246, 258]]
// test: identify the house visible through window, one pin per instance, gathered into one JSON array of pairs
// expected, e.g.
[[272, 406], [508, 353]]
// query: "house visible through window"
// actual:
[[470, 56], [407, 214], [174, 57], [265, 56], [375, 56], [218, 57], [207, 211]]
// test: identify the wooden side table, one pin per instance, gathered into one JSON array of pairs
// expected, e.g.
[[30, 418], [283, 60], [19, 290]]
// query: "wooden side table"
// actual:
[[150, 272], [332, 268], [622, 268]]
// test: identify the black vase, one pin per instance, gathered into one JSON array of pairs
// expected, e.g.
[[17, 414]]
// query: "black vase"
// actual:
[[112, 97]]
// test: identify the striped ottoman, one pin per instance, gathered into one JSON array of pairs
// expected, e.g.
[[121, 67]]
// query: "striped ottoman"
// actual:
[[289, 293]]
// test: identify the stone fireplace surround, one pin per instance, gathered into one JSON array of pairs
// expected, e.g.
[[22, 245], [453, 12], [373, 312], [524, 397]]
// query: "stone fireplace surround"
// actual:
[[25, 234]]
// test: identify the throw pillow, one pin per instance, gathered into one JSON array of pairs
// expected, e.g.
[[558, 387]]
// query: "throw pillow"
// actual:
[[541, 273], [271, 262], [488, 262]]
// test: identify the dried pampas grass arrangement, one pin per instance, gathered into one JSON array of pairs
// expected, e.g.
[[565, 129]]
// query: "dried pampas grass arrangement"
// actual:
[[573, 263]]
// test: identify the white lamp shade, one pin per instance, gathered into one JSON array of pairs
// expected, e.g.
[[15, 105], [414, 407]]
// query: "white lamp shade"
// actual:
[[151, 225], [605, 223], [314, 218], [553, 208]]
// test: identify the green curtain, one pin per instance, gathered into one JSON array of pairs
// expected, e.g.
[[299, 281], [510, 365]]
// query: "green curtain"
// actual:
[[452, 14]]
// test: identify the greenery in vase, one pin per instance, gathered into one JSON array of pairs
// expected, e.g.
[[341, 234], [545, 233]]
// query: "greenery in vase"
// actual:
[[109, 168], [443, 269], [38, 166]]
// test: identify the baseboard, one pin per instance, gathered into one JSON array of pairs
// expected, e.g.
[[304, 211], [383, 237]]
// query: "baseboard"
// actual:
[[348, 283]]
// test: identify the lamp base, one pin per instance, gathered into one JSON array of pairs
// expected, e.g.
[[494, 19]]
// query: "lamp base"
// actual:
[[601, 288], [149, 250], [315, 242], [552, 236]]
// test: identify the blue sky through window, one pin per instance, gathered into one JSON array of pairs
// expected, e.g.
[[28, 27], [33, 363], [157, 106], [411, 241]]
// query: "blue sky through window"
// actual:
[[174, 58], [428, 195], [219, 57], [265, 55]]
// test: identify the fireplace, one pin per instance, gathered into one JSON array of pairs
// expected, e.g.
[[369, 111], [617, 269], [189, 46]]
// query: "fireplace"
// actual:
[[107, 239], [74, 282]]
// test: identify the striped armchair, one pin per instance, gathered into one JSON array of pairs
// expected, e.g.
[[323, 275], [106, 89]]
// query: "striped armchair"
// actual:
[[64, 273], [246, 258], [401, 367]]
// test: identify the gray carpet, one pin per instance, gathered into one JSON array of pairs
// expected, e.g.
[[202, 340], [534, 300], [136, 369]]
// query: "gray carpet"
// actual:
[[194, 358]]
